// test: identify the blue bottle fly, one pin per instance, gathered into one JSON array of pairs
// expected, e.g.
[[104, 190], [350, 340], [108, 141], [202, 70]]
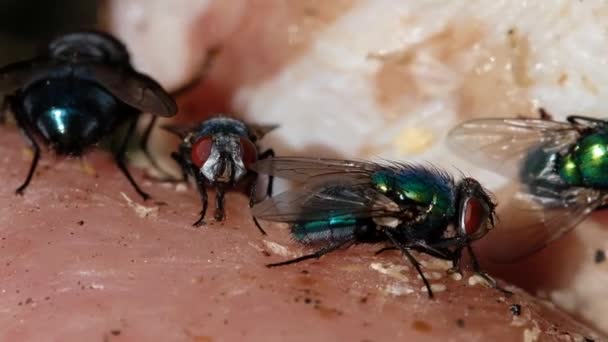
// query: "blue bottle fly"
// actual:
[[79, 91], [218, 152], [409, 206], [561, 168]]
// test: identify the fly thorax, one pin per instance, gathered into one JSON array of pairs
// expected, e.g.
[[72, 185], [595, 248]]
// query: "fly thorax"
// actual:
[[586, 164], [225, 163]]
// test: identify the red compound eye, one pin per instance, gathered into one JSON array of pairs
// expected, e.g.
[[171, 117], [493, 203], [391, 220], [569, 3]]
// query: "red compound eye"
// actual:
[[474, 216], [249, 152], [201, 151]]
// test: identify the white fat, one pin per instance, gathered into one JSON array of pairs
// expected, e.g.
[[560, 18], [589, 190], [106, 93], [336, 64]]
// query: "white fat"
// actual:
[[278, 249]]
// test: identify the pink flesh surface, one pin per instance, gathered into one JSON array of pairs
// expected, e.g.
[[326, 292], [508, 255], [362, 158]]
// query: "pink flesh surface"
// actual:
[[119, 276]]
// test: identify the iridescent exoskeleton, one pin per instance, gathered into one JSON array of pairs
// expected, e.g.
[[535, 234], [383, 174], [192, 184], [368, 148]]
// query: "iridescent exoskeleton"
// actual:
[[219, 152], [79, 91], [412, 207], [561, 169]]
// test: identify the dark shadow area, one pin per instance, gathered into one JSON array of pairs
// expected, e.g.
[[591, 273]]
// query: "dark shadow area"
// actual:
[[25, 24]]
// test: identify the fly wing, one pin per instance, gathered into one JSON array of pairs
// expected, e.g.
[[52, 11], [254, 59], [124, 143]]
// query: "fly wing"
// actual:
[[536, 221], [259, 131], [302, 169], [16, 75], [503, 144], [131, 87], [335, 195], [135, 89]]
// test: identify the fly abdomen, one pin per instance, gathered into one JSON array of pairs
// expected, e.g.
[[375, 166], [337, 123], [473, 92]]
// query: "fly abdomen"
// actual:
[[71, 114], [587, 163], [338, 228]]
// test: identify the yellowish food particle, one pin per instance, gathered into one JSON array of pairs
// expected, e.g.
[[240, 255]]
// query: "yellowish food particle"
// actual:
[[27, 153], [87, 168], [413, 140]]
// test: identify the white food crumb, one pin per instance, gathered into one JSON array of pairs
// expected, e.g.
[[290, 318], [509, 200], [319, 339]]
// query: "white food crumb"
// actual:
[[256, 247], [181, 187], [278, 249], [518, 321], [477, 279], [140, 210], [398, 289], [531, 335], [435, 288], [97, 286], [456, 276], [431, 275], [437, 264], [391, 270]]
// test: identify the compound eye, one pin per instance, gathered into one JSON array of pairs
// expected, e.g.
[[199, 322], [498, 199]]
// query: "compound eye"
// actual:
[[201, 150], [249, 152], [474, 217]]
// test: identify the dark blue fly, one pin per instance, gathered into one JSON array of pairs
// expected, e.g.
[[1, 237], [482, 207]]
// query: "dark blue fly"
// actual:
[[79, 91]]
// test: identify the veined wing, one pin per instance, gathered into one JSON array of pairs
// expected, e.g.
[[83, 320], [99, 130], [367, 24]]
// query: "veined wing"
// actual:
[[302, 169], [16, 75], [536, 221], [131, 87], [337, 195], [502, 144], [135, 89]]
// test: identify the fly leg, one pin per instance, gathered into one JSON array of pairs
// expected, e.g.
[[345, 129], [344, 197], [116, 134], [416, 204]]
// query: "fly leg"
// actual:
[[484, 275], [183, 165], [30, 139], [266, 154], [119, 157], [29, 136], [144, 146], [252, 191], [412, 260], [200, 184], [385, 249], [4, 108], [315, 255], [219, 203]]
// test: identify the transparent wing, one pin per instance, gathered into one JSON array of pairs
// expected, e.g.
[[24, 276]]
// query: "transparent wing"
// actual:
[[502, 144], [535, 221], [333, 196], [259, 131], [302, 169], [180, 130], [131, 87], [135, 89]]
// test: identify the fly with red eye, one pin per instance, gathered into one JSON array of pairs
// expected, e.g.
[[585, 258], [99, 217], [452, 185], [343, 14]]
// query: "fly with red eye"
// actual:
[[409, 207], [218, 152]]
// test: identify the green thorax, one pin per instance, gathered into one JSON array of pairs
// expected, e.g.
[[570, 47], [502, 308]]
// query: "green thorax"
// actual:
[[421, 187], [586, 164]]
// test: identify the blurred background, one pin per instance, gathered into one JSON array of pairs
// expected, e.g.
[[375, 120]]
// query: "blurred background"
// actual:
[[24, 24]]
